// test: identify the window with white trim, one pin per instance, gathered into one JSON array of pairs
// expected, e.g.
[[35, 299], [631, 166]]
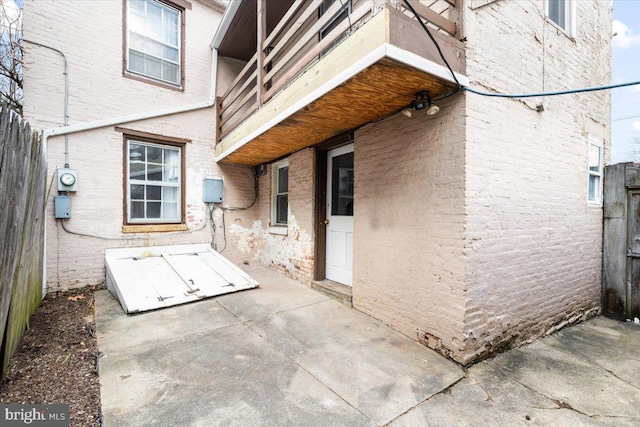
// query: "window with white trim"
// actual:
[[280, 190], [595, 164], [562, 13], [154, 40], [154, 183]]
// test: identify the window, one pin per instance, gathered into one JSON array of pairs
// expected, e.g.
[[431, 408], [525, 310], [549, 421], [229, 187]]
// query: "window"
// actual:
[[154, 37], [154, 181], [594, 189], [562, 13], [345, 10], [280, 204]]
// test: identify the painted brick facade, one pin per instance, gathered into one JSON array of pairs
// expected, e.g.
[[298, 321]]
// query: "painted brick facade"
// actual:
[[472, 231], [409, 268], [98, 90], [289, 249], [533, 246]]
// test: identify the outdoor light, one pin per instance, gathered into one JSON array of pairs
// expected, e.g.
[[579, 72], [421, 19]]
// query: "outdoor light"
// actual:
[[423, 100], [433, 109]]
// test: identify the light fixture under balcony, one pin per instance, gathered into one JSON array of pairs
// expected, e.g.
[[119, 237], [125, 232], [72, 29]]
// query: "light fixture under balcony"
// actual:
[[423, 100], [433, 109]]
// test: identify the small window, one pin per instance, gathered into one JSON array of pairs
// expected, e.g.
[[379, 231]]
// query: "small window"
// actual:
[[594, 189], [154, 33], [154, 183], [280, 202], [561, 12], [343, 14]]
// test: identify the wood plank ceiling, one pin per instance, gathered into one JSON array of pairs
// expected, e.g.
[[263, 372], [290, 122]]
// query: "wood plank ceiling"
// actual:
[[381, 89]]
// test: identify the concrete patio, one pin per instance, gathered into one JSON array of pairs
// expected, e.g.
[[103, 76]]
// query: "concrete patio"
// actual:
[[284, 354]]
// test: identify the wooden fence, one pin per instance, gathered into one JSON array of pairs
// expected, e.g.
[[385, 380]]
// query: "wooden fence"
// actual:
[[23, 172]]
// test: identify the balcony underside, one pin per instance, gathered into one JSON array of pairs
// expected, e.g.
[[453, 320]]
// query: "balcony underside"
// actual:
[[365, 78]]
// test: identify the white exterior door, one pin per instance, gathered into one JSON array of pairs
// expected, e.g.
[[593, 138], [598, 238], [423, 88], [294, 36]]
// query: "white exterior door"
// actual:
[[339, 267]]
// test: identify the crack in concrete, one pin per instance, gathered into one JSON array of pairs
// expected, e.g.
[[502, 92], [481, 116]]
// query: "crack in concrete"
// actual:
[[626, 417], [477, 384], [272, 314], [560, 403], [273, 346], [590, 360], [616, 376], [444, 391]]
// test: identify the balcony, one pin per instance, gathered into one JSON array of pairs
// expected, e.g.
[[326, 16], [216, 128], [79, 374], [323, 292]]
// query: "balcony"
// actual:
[[294, 73]]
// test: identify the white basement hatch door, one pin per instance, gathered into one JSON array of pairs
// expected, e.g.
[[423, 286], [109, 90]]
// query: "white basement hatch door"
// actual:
[[149, 278]]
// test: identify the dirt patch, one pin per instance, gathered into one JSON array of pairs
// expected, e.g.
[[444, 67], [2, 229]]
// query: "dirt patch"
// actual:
[[55, 361]]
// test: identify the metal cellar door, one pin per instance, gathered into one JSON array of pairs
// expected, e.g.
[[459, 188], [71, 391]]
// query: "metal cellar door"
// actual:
[[145, 279]]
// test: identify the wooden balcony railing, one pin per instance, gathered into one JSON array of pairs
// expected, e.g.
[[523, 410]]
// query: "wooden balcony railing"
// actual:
[[301, 37]]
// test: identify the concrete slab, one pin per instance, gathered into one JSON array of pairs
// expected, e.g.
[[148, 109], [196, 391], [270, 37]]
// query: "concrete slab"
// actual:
[[225, 377], [276, 294], [304, 360], [376, 370], [551, 369], [118, 332], [612, 345], [284, 354], [552, 382]]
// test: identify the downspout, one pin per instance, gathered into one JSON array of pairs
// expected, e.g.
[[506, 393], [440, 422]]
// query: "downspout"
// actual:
[[81, 127]]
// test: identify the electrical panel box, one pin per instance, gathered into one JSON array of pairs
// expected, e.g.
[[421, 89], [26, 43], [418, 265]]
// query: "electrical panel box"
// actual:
[[62, 207], [67, 179], [213, 190]]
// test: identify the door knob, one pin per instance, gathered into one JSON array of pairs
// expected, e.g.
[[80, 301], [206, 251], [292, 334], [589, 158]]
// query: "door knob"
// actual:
[[325, 222]]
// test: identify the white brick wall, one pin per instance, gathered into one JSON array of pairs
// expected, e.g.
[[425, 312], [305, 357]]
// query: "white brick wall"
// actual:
[[409, 223], [90, 35], [472, 230], [533, 245], [289, 250]]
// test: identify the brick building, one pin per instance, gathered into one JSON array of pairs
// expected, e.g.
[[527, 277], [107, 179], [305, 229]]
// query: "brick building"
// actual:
[[471, 228]]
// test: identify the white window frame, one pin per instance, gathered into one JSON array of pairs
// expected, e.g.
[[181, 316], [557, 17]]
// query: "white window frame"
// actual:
[[569, 13], [145, 182], [595, 142], [179, 46], [275, 168]]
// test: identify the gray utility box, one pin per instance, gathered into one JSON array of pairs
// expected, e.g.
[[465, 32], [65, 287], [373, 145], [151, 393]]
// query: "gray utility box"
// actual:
[[62, 207], [213, 190]]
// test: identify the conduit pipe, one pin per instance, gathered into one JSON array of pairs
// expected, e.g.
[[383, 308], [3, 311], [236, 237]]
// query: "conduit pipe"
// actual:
[[66, 95], [82, 127]]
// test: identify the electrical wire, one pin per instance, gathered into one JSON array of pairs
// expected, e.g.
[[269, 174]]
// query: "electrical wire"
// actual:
[[504, 95], [224, 233], [256, 187], [53, 175], [626, 118], [255, 198], [348, 15], [213, 229], [426, 29], [95, 236], [555, 93]]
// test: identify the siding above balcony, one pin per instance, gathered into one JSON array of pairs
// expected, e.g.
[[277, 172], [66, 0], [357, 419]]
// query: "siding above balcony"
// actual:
[[374, 72]]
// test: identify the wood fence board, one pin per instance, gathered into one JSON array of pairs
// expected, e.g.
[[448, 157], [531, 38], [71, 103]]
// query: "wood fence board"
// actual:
[[614, 241], [22, 191]]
